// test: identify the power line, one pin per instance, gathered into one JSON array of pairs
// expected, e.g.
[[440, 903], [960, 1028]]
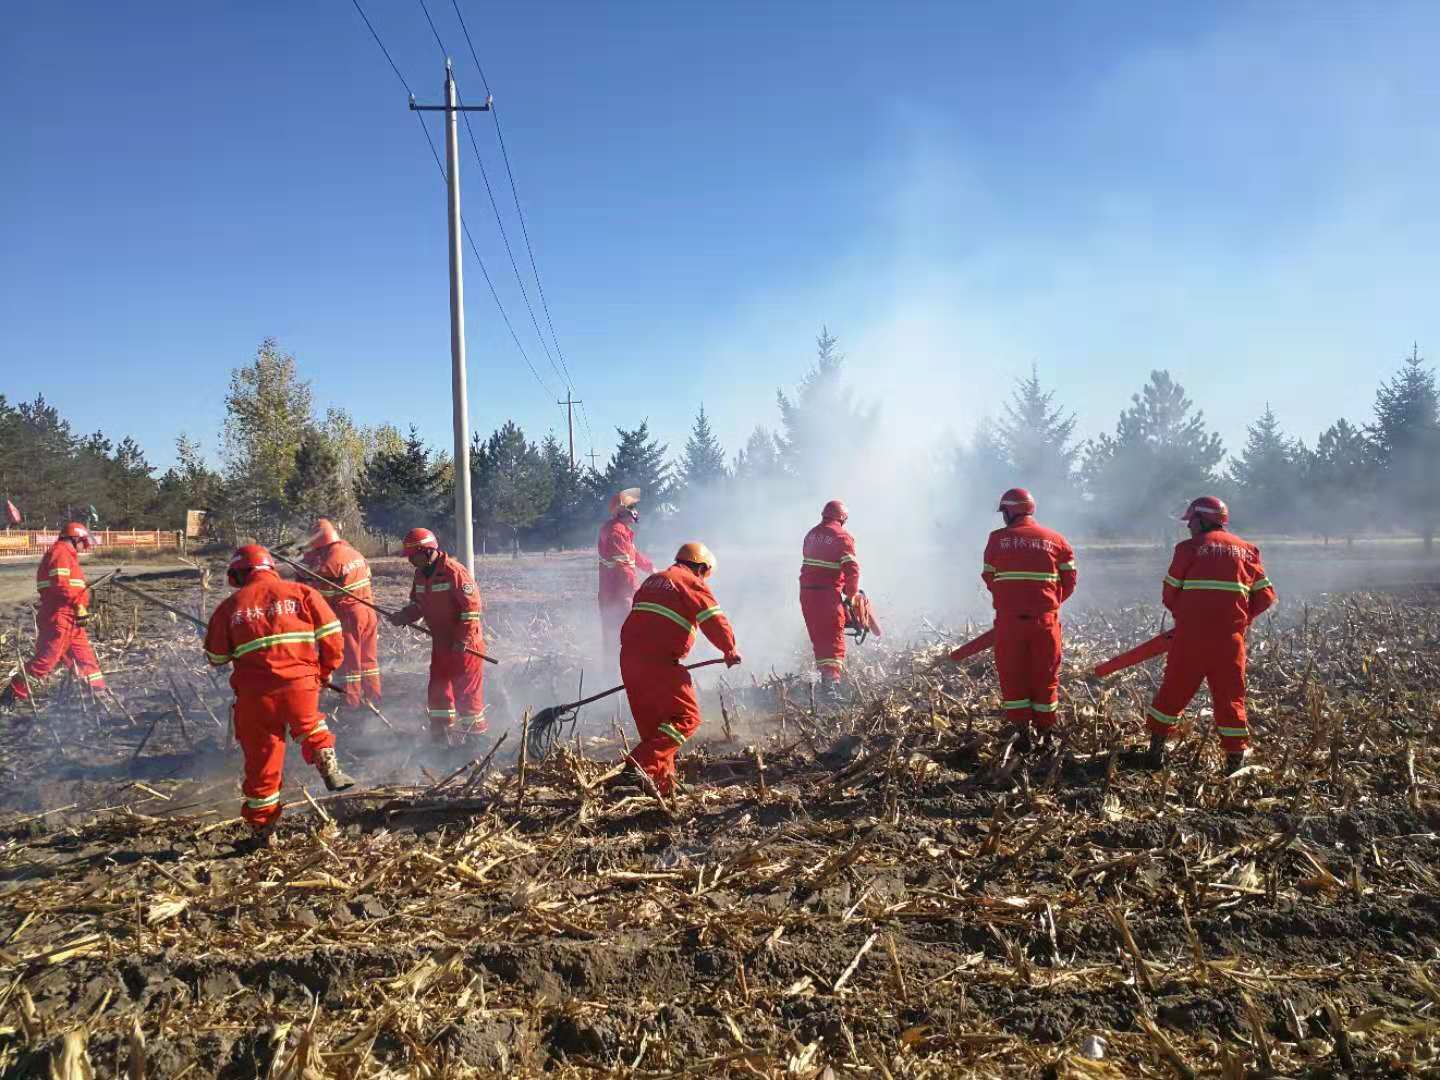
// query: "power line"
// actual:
[[563, 376], [519, 213], [474, 249]]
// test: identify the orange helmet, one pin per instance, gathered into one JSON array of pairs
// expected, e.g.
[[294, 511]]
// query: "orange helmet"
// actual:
[[1017, 501], [697, 553], [1208, 507], [323, 535], [834, 510], [624, 500], [73, 530], [420, 540], [247, 560]]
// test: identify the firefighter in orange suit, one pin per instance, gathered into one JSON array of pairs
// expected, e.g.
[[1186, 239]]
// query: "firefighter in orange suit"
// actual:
[[63, 614], [656, 637], [1215, 588], [619, 559], [339, 563], [1030, 572], [282, 641], [446, 597], [829, 580]]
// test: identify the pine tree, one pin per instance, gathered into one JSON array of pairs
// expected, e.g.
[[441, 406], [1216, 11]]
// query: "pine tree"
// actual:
[[38, 461], [1339, 476], [638, 461], [317, 487], [130, 486], [572, 510], [511, 483], [823, 434], [1268, 476], [1159, 458], [758, 461], [1406, 433], [702, 470], [1038, 443], [403, 489]]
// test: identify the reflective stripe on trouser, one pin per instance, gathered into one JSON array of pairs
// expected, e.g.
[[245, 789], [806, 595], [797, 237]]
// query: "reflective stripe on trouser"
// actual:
[[261, 723], [666, 710], [1217, 659], [360, 670], [61, 641], [457, 688], [825, 623], [1027, 660]]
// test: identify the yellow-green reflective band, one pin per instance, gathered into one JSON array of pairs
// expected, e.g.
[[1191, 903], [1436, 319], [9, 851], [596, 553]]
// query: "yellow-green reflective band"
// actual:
[[352, 678], [1021, 703], [440, 713], [672, 734], [295, 637], [823, 564], [1206, 585], [371, 671], [848, 558], [1173, 582], [437, 586], [1067, 566], [41, 585], [1044, 706], [830, 663], [60, 572], [320, 728], [987, 569], [709, 613], [328, 629], [660, 609], [217, 658], [1263, 583], [1025, 575], [75, 583], [1158, 715], [1233, 732], [469, 616], [263, 801]]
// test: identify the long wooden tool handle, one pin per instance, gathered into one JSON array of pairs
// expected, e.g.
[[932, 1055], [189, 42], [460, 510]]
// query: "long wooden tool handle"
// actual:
[[376, 607], [617, 689], [133, 591]]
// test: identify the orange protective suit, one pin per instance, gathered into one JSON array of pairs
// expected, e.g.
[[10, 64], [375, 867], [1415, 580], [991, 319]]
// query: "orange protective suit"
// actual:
[[60, 582], [343, 565], [619, 559], [1215, 587], [829, 571], [282, 641], [655, 638], [1030, 572], [447, 598]]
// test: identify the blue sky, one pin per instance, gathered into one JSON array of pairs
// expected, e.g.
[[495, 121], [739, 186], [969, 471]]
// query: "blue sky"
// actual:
[[1242, 193]]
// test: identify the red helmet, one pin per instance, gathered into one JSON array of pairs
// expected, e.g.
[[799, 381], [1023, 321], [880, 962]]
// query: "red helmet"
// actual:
[[420, 540], [247, 560], [834, 510], [1208, 507], [73, 530], [1017, 501], [323, 535]]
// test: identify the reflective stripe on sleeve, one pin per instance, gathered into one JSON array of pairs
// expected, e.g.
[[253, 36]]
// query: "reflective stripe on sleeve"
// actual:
[[847, 558], [217, 658], [1064, 566], [469, 616], [987, 569], [1263, 583], [708, 613], [1173, 582], [328, 629], [661, 609]]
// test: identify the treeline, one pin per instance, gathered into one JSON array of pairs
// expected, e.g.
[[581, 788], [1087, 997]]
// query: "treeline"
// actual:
[[282, 463]]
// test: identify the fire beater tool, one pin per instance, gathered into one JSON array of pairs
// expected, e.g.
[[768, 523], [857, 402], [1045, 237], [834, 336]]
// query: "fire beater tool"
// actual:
[[1159, 645]]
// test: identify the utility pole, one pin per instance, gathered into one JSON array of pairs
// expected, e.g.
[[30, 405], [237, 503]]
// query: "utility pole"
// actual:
[[570, 423], [593, 455], [464, 527]]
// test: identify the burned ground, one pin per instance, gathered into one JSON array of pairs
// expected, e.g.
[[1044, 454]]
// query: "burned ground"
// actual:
[[881, 889]]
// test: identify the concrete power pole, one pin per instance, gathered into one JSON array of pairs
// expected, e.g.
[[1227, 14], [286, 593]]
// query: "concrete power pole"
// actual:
[[570, 423], [464, 527]]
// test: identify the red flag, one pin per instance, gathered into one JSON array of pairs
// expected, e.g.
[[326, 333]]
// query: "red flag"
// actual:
[[12, 513]]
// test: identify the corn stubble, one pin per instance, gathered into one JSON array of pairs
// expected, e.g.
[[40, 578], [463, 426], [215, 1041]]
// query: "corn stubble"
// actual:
[[880, 889]]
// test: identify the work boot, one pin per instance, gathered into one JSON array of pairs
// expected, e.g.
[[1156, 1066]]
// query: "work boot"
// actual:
[[263, 837], [1020, 737], [335, 777], [1155, 757], [7, 697], [1234, 760], [1047, 745]]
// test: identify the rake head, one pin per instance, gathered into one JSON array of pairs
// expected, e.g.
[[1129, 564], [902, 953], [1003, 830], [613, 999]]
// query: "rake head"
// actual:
[[545, 729]]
